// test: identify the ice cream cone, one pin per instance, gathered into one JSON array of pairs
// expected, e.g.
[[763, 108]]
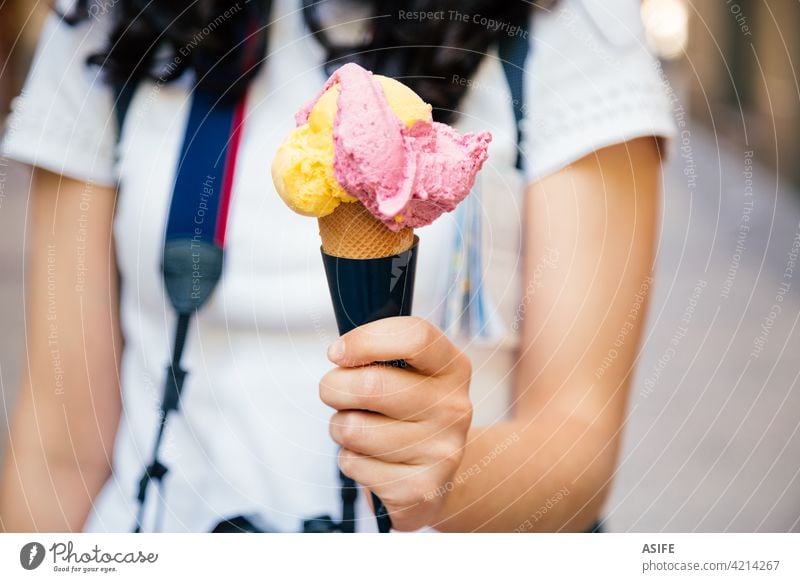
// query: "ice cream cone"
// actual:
[[369, 138], [370, 271], [352, 232]]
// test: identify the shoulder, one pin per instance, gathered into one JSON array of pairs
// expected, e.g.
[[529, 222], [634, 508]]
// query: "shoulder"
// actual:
[[591, 83], [63, 119]]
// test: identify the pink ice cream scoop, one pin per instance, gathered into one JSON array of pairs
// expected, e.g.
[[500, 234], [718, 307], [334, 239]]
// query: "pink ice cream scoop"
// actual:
[[405, 176]]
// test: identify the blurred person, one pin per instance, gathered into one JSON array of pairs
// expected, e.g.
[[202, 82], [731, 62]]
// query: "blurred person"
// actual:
[[569, 249]]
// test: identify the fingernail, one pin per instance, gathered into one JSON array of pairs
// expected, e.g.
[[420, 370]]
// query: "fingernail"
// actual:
[[336, 350]]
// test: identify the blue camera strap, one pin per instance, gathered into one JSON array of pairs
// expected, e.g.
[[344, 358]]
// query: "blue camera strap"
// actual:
[[194, 243], [192, 263]]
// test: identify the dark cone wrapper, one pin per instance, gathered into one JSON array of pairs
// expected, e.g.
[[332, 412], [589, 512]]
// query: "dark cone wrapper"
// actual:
[[366, 290]]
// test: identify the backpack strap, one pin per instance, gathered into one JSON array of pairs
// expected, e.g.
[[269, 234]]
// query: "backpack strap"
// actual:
[[467, 310], [513, 52], [123, 95]]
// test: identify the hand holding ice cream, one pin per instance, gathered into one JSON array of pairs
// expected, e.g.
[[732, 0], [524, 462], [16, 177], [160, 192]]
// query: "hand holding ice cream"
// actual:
[[402, 431], [368, 161]]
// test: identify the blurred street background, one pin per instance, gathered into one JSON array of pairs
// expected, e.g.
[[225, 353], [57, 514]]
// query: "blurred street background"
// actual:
[[711, 442]]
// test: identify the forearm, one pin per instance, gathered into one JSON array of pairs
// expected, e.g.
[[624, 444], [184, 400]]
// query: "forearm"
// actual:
[[65, 420], [45, 494], [60, 442], [57, 461], [550, 474], [593, 224]]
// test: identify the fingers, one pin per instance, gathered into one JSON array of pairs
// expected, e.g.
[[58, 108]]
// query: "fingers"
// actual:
[[390, 440], [421, 344], [397, 393], [402, 429]]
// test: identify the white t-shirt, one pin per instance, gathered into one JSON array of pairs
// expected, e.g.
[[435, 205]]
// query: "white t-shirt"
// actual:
[[252, 435]]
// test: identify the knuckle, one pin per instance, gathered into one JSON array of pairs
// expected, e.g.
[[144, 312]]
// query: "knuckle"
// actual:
[[452, 449], [467, 410], [423, 334], [351, 431], [464, 367], [460, 370], [451, 464], [458, 409], [441, 449]]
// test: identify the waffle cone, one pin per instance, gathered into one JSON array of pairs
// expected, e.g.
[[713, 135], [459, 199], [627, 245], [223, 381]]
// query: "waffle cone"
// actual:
[[352, 232]]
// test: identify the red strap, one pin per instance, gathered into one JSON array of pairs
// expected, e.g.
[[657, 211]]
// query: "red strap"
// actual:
[[230, 172]]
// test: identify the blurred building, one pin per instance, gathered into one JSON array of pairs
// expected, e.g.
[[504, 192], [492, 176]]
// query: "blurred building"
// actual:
[[20, 23], [8, 25], [742, 58]]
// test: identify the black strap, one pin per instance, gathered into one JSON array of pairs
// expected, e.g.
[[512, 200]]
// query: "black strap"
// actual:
[[513, 52], [175, 281], [193, 255], [123, 95], [156, 470], [349, 494]]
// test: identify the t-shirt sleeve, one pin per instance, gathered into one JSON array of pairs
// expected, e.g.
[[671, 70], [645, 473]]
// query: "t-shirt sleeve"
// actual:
[[63, 120], [591, 82]]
